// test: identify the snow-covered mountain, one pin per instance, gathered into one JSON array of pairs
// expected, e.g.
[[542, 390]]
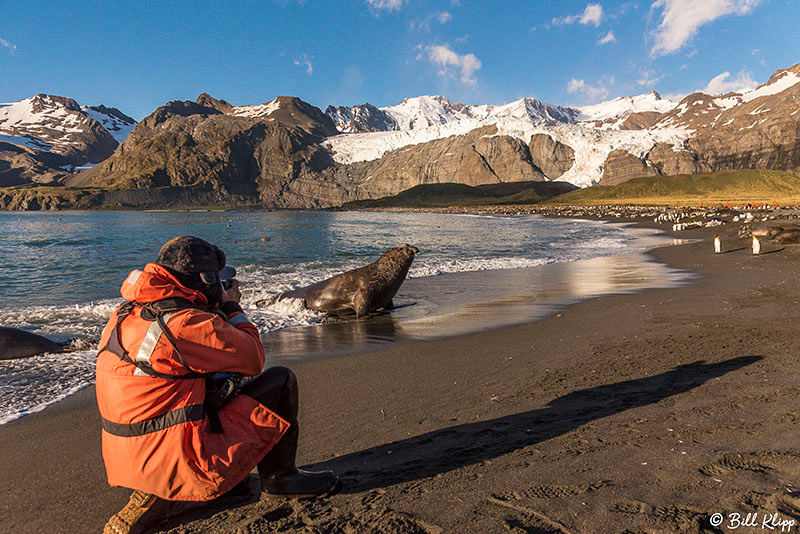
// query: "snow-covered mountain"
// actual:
[[361, 118], [113, 120], [624, 130], [424, 111], [44, 137], [288, 153], [56, 121], [427, 111], [427, 118], [625, 105], [699, 110], [59, 125]]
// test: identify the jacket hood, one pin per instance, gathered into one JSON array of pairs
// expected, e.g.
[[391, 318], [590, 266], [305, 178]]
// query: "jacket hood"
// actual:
[[156, 283]]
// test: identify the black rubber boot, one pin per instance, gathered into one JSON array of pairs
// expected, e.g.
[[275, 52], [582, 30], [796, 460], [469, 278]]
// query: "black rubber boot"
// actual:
[[281, 479], [276, 388]]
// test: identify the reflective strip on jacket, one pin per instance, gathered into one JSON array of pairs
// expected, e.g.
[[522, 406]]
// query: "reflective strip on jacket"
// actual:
[[155, 434]]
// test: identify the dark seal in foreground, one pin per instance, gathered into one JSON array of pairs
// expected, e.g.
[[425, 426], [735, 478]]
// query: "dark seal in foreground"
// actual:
[[360, 291], [16, 343]]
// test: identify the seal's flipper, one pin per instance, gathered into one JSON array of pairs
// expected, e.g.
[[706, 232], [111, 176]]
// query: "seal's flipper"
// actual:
[[361, 305]]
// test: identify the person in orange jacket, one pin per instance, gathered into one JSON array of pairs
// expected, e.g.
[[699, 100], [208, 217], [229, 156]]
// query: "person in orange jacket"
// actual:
[[180, 424]]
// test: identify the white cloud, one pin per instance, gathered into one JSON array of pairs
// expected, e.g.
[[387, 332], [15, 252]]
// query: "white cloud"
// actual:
[[649, 82], [649, 78], [721, 84], [388, 5], [680, 20], [609, 38], [592, 91], [306, 61], [450, 61], [424, 25], [593, 14], [622, 9], [11, 46]]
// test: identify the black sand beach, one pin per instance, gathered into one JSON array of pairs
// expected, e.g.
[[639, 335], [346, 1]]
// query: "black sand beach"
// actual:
[[644, 412]]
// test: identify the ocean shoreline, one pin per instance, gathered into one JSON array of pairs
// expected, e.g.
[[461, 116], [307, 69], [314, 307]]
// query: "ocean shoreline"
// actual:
[[307, 342], [427, 307]]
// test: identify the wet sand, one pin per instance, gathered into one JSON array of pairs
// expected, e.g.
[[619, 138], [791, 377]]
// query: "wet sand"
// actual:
[[643, 412]]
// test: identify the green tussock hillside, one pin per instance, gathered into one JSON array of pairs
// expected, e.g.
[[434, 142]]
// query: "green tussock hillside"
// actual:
[[452, 194], [709, 188]]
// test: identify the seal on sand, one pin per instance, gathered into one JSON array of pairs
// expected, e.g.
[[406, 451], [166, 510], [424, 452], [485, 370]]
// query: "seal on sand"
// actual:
[[16, 343], [360, 291], [788, 236]]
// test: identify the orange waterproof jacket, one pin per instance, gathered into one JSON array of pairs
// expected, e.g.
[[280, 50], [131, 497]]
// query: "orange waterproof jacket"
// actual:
[[156, 436]]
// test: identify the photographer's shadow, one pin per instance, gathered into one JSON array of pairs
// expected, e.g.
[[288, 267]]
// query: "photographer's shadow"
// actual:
[[450, 448], [447, 449]]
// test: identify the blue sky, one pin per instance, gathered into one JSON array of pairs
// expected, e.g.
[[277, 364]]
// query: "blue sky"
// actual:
[[137, 56]]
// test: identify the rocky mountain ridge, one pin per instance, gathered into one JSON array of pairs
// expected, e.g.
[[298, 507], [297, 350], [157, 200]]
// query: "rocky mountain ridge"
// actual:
[[361, 118], [288, 153], [758, 129], [45, 137], [434, 110]]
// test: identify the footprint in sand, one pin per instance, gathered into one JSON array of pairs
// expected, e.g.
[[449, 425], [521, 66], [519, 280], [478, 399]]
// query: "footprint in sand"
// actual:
[[666, 518], [764, 462]]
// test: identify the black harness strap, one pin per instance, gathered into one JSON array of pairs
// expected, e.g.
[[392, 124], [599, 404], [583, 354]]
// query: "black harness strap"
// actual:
[[154, 311], [175, 417]]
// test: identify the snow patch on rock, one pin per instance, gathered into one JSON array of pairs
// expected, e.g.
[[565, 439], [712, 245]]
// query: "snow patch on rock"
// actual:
[[118, 127], [783, 81], [260, 110]]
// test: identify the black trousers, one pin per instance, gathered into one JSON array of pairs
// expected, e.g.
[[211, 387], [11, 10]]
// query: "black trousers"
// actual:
[[276, 388]]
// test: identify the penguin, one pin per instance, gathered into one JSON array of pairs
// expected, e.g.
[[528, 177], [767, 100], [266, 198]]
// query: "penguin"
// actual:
[[756, 246], [717, 244]]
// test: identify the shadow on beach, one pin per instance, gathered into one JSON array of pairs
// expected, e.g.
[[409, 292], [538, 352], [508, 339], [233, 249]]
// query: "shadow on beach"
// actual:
[[772, 251], [450, 448], [444, 450]]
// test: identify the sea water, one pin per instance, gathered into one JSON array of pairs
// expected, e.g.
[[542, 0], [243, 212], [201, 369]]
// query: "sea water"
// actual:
[[60, 275]]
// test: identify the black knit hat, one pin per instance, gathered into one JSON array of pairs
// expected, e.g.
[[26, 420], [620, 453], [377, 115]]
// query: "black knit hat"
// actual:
[[189, 255]]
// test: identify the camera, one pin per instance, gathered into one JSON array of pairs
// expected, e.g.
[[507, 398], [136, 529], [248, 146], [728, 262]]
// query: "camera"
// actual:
[[226, 277]]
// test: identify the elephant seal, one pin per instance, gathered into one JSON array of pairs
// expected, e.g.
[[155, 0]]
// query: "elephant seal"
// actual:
[[788, 237], [773, 231], [16, 343], [360, 291]]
